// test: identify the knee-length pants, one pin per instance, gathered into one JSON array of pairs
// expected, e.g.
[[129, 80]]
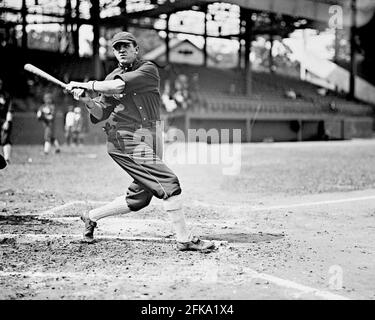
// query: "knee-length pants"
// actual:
[[139, 153]]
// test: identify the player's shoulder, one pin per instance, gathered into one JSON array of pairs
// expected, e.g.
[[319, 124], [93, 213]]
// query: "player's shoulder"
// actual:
[[148, 67], [145, 64], [113, 74]]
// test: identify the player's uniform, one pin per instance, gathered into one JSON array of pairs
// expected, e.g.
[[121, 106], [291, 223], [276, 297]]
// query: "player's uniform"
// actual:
[[134, 140], [5, 107], [46, 113], [69, 123], [77, 126]]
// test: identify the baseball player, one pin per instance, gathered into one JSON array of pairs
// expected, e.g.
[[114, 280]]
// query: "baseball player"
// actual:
[[47, 113], [77, 126], [6, 118], [129, 101], [69, 123]]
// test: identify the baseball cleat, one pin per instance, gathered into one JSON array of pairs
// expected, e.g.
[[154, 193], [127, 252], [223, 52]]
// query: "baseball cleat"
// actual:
[[196, 244], [88, 234]]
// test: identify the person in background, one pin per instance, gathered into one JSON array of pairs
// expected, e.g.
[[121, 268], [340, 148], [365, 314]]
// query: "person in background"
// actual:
[[181, 95], [6, 117], [69, 123], [47, 114], [77, 126]]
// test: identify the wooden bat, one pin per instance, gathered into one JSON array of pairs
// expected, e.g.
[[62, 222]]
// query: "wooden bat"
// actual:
[[33, 69]]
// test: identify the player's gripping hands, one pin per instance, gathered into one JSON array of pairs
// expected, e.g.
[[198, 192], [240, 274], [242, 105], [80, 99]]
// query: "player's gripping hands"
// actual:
[[84, 92], [106, 87], [80, 90]]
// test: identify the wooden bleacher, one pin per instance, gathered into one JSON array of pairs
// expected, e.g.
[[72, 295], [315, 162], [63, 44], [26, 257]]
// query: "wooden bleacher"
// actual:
[[267, 112]]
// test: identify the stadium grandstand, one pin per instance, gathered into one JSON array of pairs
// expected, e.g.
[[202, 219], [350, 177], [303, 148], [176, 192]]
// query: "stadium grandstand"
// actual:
[[269, 104]]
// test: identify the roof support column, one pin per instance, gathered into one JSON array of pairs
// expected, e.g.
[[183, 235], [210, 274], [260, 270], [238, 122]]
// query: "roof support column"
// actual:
[[240, 38], [353, 62], [270, 56], [124, 12], [24, 24], [248, 36], [205, 37], [95, 20], [167, 37], [239, 64], [75, 30]]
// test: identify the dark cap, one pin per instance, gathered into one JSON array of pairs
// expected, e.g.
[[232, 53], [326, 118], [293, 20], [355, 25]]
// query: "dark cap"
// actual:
[[123, 37]]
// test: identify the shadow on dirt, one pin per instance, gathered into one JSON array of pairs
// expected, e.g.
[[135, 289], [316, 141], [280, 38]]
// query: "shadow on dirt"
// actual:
[[24, 220], [245, 237]]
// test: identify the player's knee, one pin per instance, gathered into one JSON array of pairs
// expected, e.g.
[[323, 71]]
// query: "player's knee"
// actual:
[[138, 203], [174, 188]]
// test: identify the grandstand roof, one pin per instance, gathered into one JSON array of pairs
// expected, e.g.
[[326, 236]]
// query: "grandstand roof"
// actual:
[[320, 11], [317, 10]]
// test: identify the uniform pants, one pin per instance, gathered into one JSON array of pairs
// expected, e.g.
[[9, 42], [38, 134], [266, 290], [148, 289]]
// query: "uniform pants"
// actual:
[[139, 153]]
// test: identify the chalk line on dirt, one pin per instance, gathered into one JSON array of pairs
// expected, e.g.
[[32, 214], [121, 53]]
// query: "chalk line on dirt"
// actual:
[[327, 295], [60, 207], [323, 294], [284, 206], [313, 203], [198, 203], [56, 209]]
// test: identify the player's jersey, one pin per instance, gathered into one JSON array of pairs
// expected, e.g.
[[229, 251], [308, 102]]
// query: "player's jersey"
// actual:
[[77, 122], [46, 113], [5, 105], [140, 102], [69, 119]]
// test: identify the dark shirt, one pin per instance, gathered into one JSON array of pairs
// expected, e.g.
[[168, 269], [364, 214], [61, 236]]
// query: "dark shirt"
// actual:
[[5, 105], [139, 103]]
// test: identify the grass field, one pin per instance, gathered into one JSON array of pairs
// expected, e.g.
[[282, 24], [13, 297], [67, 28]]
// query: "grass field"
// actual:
[[297, 222]]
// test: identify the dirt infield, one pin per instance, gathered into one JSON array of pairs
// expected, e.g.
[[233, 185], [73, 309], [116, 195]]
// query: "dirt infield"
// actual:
[[296, 223]]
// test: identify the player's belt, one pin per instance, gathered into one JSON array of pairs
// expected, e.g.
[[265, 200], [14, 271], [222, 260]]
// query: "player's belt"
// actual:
[[136, 126]]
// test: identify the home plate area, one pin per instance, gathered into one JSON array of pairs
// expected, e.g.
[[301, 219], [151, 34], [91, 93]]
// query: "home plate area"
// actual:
[[134, 257]]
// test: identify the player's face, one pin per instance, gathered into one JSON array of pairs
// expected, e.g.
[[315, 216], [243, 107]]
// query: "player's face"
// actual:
[[125, 52]]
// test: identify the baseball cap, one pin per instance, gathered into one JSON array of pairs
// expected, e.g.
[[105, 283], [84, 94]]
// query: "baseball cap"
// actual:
[[123, 37]]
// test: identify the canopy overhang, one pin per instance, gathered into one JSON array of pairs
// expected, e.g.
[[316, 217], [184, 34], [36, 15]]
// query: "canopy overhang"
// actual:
[[323, 11]]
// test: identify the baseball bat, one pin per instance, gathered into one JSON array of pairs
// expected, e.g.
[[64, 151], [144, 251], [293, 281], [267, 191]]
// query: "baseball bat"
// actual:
[[33, 69]]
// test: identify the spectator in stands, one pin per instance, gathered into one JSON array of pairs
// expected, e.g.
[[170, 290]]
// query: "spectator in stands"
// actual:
[[322, 92], [232, 89], [291, 94], [47, 114], [77, 126], [194, 90], [181, 95], [69, 122], [168, 101], [332, 107], [6, 117]]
